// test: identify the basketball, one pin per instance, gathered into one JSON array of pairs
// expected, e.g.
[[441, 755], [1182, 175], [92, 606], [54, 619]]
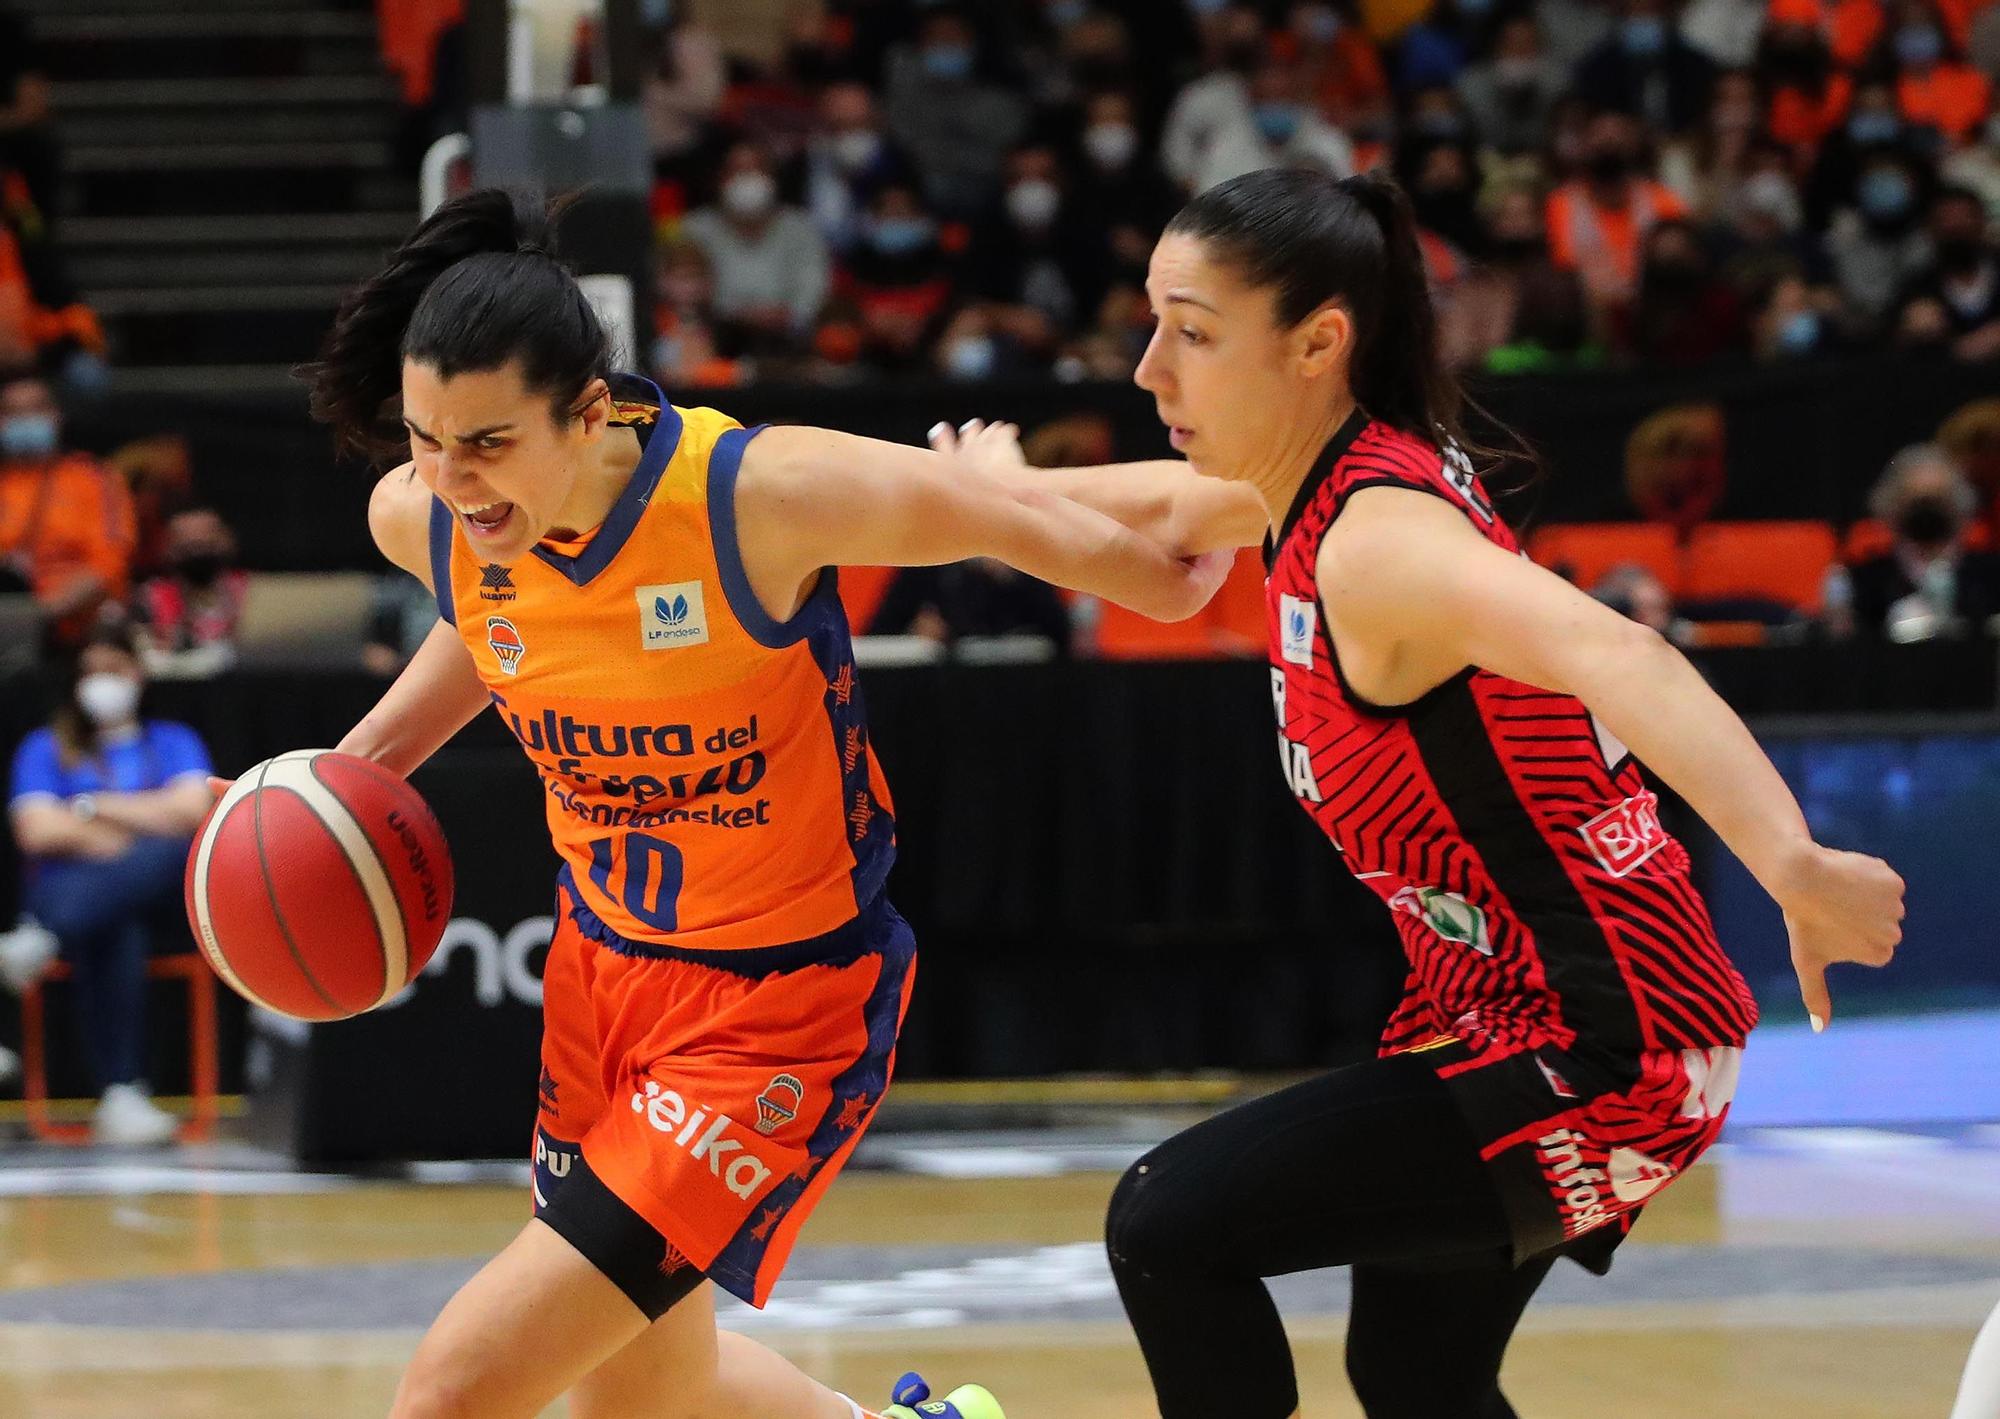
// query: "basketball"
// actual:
[[319, 885]]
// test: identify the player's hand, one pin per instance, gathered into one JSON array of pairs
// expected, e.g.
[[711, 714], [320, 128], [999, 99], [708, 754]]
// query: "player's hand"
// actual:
[[219, 786], [992, 449], [1839, 906]]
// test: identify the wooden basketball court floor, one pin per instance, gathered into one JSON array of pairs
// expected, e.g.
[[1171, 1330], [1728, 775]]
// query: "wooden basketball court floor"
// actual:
[[1822, 1274]]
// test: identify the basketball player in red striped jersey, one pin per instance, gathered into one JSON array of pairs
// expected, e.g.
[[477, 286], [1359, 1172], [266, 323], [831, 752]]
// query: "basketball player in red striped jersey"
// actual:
[[1466, 728]]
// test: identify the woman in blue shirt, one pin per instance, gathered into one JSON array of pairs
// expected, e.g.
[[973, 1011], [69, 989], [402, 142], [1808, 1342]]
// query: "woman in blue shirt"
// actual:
[[103, 805]]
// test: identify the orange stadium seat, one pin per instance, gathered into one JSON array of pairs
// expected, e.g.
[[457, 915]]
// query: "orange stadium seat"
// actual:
[[1235, 618], [1871, 537], [1783, 561], [1587, 550]]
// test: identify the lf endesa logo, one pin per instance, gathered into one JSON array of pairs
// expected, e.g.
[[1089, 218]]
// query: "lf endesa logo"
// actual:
[[500, 964]]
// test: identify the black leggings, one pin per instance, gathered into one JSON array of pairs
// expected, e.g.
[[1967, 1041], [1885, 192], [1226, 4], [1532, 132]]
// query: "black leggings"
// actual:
[[1372, 1167]]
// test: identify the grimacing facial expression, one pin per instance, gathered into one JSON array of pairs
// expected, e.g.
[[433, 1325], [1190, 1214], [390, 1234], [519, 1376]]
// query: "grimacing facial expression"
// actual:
[[493, 451], [1227, 379]]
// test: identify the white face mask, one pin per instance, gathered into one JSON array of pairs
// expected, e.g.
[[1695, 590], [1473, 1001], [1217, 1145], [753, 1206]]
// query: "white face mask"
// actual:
[[1033, 202], [856, 148], [749, 195], [108, 699], [1111, 145]]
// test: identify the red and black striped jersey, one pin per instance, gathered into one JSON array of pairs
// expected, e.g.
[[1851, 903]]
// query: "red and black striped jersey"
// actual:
[[1511, 835]]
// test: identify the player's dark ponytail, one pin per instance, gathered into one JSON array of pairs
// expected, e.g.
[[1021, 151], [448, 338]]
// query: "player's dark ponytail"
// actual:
[[475, 286], [1310, 238]]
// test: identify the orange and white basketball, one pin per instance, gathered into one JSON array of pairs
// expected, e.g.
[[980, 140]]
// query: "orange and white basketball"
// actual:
[[319, 885]]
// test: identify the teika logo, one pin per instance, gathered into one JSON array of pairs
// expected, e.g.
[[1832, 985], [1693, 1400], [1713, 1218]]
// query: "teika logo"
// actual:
[[672, 616], [667, 1111]]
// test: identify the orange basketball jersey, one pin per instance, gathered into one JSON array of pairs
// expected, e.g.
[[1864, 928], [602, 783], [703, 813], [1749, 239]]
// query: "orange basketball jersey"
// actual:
[[710, 781]]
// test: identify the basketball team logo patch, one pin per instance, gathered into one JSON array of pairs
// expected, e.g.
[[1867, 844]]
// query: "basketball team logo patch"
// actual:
[[672, 616], [779, 1104], [506, 644], [1297, 620]]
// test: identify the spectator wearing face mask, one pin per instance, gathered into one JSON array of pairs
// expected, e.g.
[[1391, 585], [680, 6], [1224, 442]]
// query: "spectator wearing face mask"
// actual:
[[1935, 87], [192, 610], [1280, 129], [1645, 68], [845, 162], [1766, 240], [1705, 167], [771, 266], [1343, 69], [1683, 317], [898, 279], [1928, 583], [1121, 199], [1877, 245], [1481, 316], [976, 598], [1872, 128], [1511, 92], [957, 124], [1033, 257], [103, 804], [1219, 99], [1597, 222], [1957, 296], [1791, 323], [1442, 178], [66, 524]]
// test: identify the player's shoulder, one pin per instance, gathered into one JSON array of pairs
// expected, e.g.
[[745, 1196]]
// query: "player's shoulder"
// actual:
[[399, 519], [1382, 452]]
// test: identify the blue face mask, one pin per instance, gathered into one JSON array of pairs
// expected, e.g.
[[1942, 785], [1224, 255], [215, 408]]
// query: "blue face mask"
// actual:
[[656, 14], [1475, 8], [1064, 13], [1321, 26], [1799, 333], [947, 61], [900, 236], [1874, 127], [1643, 36], [1206, 7], [30, 436], [1919, 45], [1438, 125], [972, 358], [1885, 194], [1277, 121]]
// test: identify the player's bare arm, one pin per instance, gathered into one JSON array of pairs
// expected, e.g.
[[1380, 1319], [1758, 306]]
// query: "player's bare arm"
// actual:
[[1163, 499], [438, 692], [811, 498], [1413, 594]]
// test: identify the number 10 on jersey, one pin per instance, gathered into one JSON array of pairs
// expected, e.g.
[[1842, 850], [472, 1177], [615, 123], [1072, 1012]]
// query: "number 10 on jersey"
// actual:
[[652, 885]]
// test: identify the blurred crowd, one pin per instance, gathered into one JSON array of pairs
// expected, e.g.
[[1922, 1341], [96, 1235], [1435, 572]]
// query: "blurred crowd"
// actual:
[[972, 190]]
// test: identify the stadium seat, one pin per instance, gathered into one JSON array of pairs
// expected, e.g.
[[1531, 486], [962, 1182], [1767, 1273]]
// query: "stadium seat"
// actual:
[[1585, 551], [189, 966], [1235, 618], [1785, 562], [1126, 635], [1871, 537]]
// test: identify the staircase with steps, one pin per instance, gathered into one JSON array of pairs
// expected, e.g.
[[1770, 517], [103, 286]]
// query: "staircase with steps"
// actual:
[[230, 170]]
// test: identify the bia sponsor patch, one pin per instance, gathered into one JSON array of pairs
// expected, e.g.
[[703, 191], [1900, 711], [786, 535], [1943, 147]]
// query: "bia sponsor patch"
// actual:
[[1626, 834]]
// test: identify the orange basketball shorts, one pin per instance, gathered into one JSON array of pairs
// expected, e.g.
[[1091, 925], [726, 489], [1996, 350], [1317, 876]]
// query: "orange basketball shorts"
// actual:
[[714, 1094]]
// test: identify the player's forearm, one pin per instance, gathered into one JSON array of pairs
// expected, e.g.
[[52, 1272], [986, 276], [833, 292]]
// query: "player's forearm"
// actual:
[[437, 695], [1072, 544], [1656, 702], [1163, 501], [157, 812]]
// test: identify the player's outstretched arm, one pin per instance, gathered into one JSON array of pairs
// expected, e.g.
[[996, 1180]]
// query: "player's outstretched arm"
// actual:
[[1184, 511], [1403, 573], [439, 691], [811, 498]]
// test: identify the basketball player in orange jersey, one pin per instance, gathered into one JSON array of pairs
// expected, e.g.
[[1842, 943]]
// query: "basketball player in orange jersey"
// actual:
[[642, 593]]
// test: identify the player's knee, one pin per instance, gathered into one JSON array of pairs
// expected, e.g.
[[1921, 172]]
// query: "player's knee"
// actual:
[[1155, 1222], [435, 1391]]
